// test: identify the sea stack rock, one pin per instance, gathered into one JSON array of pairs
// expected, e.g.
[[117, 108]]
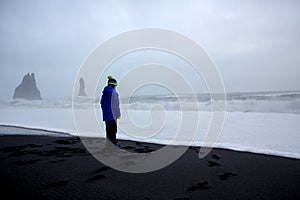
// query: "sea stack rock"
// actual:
[[27, 89], [81, 88]]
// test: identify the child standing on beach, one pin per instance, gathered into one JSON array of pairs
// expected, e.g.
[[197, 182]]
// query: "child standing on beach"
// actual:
[[110, 105]]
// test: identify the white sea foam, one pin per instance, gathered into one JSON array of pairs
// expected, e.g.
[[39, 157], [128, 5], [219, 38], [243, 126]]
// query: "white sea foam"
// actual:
[[280, 102], [262, 123]]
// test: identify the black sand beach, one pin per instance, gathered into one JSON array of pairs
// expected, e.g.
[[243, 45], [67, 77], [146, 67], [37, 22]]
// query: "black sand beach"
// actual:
[[41, 167]]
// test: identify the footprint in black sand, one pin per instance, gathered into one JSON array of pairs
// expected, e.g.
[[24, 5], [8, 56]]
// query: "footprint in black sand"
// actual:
[[95, 178], [226, 175], [199, 186], [70, 150], [139, 150], [67, 141], [148, 149], [19, 148], [127, 147], [215, 157], [25, 162], [213, 163], [63, 152], [101, 169], [196, 149], [24, 152], [99, 176], [143, 150], [56, 184]]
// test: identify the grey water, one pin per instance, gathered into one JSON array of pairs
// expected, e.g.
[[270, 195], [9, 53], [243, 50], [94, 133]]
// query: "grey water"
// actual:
[[265, 102]]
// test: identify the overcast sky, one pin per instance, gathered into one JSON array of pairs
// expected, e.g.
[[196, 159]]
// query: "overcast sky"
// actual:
[[255, 44]]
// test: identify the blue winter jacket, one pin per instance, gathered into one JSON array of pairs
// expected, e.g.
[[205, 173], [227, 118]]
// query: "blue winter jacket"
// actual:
[[110, 104]]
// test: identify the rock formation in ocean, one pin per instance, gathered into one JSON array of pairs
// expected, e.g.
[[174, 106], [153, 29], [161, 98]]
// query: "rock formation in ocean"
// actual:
[[81, 88], [27, 89]]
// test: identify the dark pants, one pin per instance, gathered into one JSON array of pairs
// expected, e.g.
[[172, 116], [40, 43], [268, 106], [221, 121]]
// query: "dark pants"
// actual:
[[111, 131]]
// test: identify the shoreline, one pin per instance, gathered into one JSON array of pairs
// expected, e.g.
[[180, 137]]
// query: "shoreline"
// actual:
[[43, 167], [47, 132]]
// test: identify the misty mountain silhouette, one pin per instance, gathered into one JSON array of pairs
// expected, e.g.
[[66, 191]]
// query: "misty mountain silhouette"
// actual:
[[81, 88], [27, 89]]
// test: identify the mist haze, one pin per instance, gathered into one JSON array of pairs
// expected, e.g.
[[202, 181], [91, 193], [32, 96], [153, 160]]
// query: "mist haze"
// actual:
[[254, 44]]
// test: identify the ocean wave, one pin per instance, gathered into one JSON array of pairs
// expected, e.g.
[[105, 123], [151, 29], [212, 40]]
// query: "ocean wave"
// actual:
[[280, 102]]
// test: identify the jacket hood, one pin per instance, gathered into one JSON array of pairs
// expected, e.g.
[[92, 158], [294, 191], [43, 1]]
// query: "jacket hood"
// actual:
[[108, 90]]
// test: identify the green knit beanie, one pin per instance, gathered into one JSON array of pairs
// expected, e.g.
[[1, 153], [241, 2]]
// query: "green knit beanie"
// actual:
[[112, 81]]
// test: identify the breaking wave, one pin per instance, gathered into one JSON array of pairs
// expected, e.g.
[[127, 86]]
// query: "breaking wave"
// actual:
[[268, 102]]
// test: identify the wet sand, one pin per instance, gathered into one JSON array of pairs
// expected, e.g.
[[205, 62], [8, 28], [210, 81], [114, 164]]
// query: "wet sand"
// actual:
[[43, 167]]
